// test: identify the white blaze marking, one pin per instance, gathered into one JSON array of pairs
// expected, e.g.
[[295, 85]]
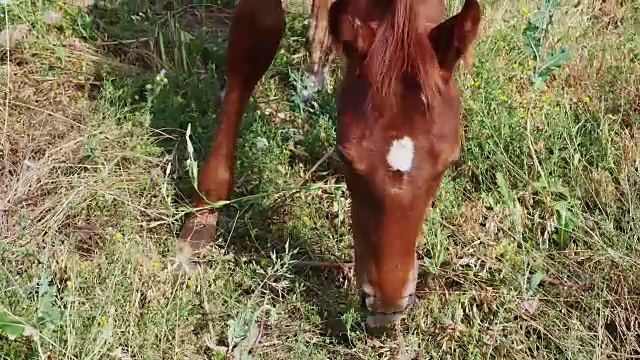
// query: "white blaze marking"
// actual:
[[400, 156]]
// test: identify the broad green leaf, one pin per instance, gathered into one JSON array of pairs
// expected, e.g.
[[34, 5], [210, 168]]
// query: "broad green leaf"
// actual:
[[239, 327], [11, 326], [535, 280], [532, 41], [504, 189], [245, 356], [554, 60], [564, 221], [535, 30], [534, 34], [48, 314]]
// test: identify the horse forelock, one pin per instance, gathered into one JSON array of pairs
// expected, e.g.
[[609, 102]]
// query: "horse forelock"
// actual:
[[400, 48]]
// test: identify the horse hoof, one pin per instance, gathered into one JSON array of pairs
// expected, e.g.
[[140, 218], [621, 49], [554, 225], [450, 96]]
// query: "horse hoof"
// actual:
[[197, 233]]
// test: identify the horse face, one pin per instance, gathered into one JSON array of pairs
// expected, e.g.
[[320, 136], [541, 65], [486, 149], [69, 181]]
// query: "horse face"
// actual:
[[398, 131]]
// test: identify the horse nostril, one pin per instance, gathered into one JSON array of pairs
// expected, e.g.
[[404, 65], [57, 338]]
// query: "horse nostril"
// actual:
[[366, 301], [411, 298]]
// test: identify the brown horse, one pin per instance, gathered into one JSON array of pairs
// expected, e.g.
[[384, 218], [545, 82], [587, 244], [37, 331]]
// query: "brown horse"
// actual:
[[398, 126]]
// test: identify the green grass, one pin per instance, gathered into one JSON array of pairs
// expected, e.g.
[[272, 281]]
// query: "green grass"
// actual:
[[531, 249]]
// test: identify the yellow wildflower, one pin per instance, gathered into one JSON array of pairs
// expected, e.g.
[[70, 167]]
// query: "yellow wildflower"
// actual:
[[546, 97], [154, 265], [189, 283], [586, 99], [476, 83], [103, 321], [69, 284], [117, 235], [503, 98], [525, 11]]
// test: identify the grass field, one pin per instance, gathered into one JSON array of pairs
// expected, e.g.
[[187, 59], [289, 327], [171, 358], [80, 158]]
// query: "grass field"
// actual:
[[532, 249]]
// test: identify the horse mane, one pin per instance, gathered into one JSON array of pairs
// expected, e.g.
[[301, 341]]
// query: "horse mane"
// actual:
[[398, 49]]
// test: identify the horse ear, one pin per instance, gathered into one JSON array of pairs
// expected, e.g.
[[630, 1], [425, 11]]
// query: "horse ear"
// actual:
[[452, 39], [350, 34]]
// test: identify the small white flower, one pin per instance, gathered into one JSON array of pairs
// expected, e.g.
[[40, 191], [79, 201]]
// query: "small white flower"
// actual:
[[261, 143], [52, 17]]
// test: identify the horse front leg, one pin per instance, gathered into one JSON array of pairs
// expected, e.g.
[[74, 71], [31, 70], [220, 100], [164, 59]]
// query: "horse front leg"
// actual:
[[255, 33], [318, 48]]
